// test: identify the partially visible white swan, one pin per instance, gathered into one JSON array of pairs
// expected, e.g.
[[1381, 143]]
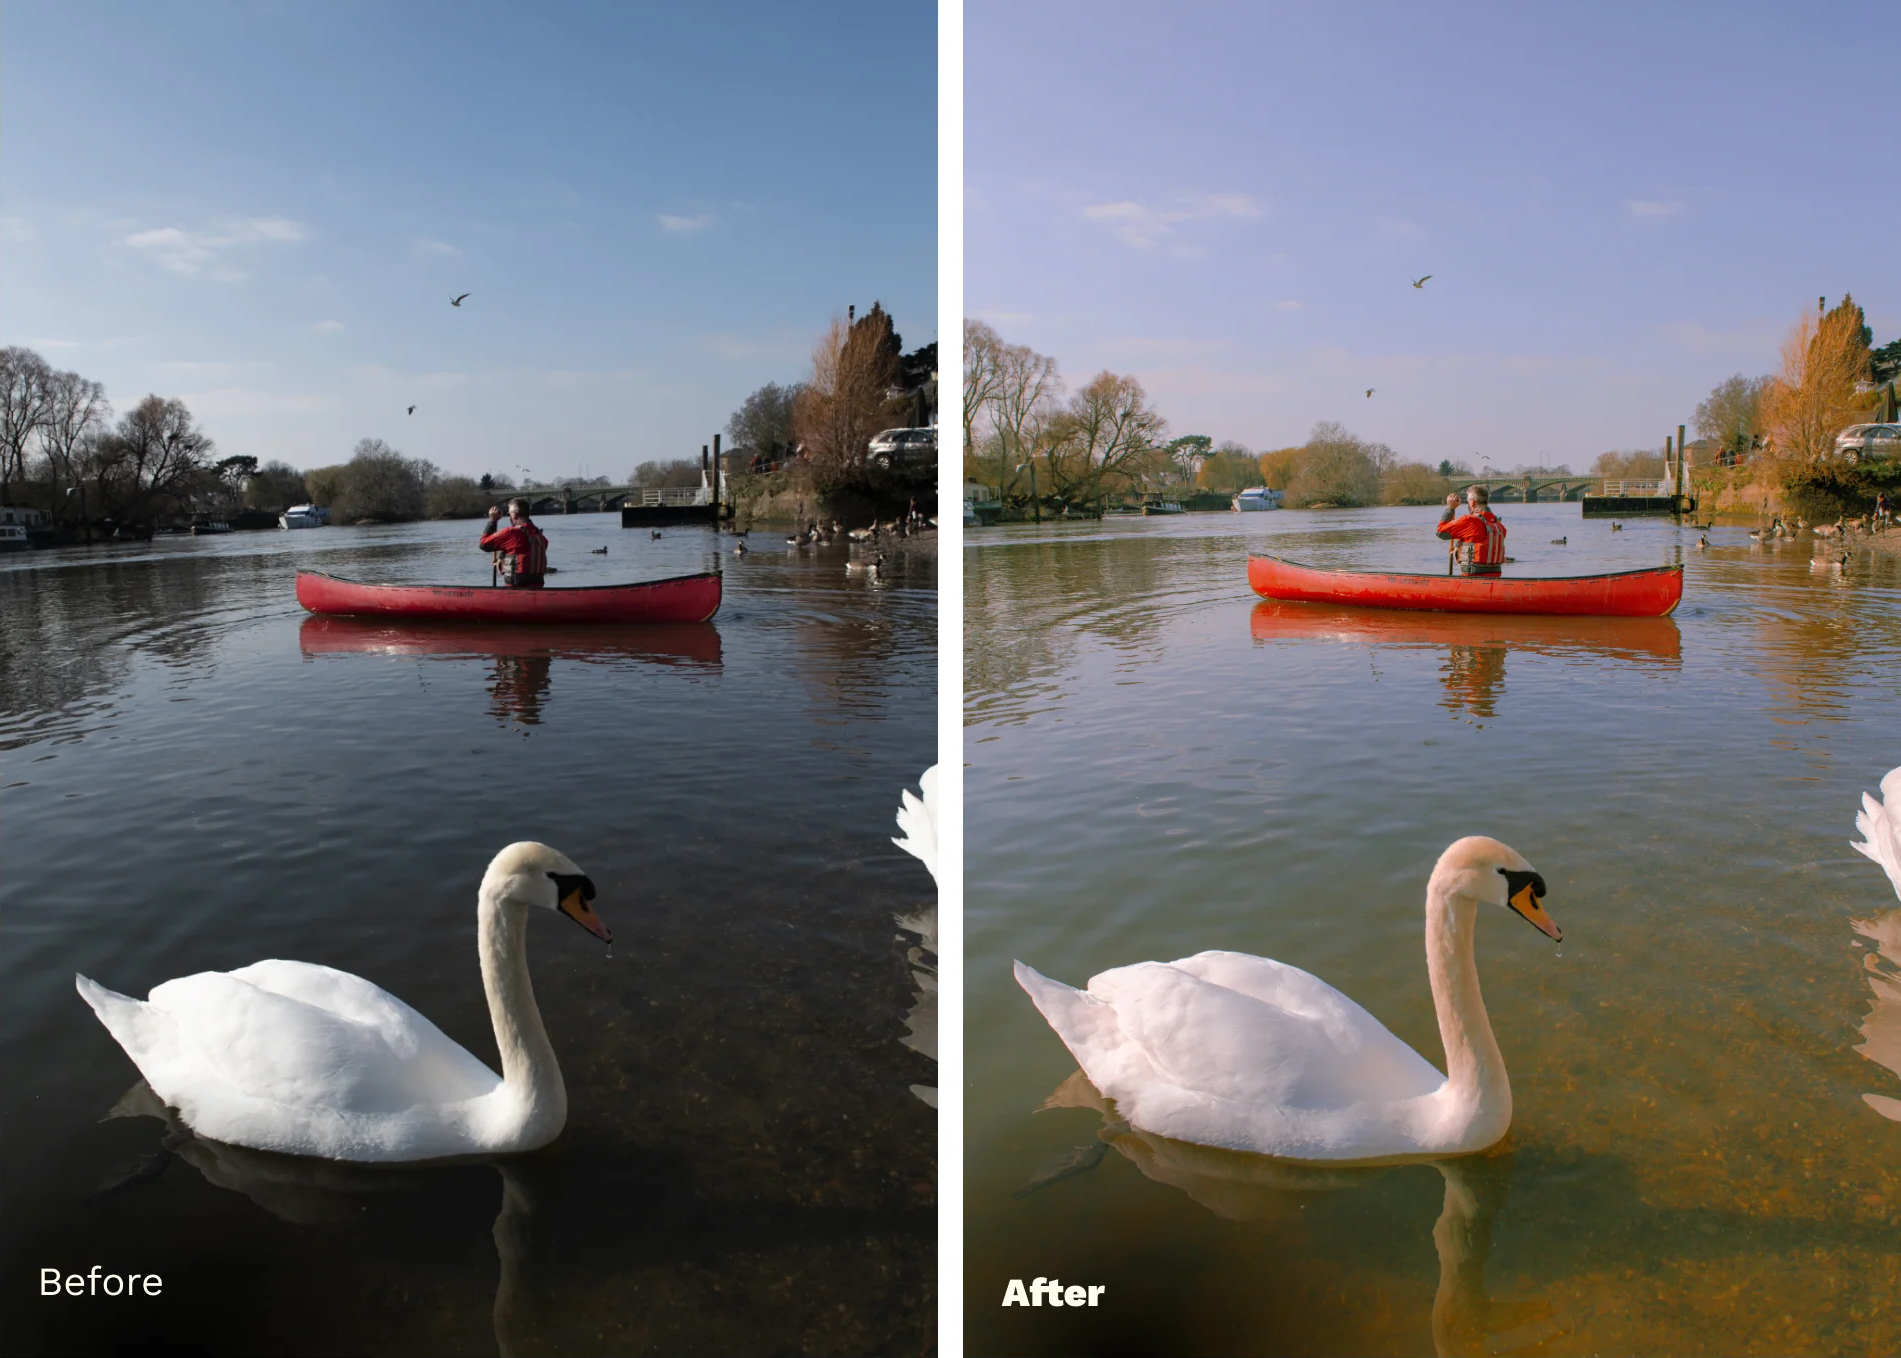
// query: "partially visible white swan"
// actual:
[[1224, 1049], [302, 1059], [1882, 826], [917, 817]]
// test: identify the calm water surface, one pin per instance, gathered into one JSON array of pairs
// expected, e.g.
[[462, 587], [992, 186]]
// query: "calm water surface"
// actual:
[[1706, 1152], [197, 775]]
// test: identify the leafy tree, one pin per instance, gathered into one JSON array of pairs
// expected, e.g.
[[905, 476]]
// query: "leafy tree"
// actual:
[[1278, 467], [1640, 464], [1229, 467], [1415, 483], [380, 485], [1732, 415], [763, 422], [275, 487], [1885, 362], [661, 475], [1337, 469], [1188, 452]]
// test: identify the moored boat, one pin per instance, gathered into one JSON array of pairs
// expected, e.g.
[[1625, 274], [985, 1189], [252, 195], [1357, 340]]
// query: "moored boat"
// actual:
[[1649, 593], [304, 516], [1255, 499], [683, 598]]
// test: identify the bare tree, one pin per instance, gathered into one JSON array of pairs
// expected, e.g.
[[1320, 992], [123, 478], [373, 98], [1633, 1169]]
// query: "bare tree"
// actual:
[[983, 349], [24, 392], [1016, 417], [76, 410], [275, 487], [846, 402], [1110, 438], [150, 462]]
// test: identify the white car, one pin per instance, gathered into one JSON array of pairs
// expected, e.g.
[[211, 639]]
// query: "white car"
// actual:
[[1868, 442], [904, 448]]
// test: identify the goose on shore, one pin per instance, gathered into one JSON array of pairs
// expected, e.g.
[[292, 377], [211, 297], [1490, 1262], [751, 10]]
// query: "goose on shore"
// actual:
[[305, 1060], [1225, 1049]]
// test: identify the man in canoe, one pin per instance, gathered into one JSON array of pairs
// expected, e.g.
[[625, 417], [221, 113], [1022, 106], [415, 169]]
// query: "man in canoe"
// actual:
[[522, 547], [1479, 535]]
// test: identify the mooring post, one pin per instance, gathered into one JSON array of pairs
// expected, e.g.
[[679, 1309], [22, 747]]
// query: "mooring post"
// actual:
[[716, 499], [1683, 473]]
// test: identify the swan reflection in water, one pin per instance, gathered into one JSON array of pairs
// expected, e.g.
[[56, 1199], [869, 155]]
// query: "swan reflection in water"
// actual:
[[305, 1190], [1476, 644], [917, 817], [522, 655], [1880, 824], [1240, 1187]]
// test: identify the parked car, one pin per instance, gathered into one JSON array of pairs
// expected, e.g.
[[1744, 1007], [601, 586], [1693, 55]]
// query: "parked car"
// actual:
[[1868, 443], [904, 448]]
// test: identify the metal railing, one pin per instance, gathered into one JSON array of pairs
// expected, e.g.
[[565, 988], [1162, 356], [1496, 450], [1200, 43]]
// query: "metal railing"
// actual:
[[1633, 488]]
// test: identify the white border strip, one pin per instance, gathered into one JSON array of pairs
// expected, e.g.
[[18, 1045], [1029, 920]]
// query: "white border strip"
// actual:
[[950, 677]]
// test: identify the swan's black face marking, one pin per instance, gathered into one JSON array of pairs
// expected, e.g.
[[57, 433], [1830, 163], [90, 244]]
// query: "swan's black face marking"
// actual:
[[567, 883], [573, 891], [1523, 892]]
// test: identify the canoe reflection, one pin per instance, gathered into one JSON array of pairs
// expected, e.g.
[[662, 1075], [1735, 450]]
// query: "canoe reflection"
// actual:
[[1476, 644], [306, 1191], [522, 656], [1241, 1187]]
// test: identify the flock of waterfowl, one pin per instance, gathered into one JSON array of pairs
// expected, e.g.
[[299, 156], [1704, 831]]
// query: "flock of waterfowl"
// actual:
[[302, 1059]]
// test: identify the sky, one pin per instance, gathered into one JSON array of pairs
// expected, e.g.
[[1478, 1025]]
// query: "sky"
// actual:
[[263, 209], [1619, 205]]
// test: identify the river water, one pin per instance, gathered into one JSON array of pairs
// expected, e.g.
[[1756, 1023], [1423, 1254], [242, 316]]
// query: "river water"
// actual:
[[1705, 1156], [197, 776]]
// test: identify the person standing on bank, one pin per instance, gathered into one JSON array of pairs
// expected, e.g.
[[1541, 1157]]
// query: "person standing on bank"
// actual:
[[523, 548], [1479, 535]]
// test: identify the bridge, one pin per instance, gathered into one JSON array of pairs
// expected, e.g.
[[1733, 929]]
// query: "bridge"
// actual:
[[1523, 489], [602, 499]]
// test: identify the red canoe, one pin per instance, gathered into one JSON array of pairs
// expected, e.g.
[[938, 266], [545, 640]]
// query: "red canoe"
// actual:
[[685, 598], [1648, 593]]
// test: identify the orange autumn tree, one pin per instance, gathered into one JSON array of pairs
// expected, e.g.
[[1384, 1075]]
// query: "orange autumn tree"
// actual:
[[1821, 388]]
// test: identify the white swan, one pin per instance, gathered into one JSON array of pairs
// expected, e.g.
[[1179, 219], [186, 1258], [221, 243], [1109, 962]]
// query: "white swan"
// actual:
[[302, 1059], [1224, 1049], [1882, 826], [917, 817]]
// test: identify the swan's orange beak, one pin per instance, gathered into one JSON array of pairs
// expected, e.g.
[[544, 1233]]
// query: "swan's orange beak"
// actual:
[[1525, 902], [575, 906]]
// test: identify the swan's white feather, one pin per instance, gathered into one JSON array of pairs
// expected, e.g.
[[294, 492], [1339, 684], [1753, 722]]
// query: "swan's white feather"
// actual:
[[300, 1058], [1881, 825], [917, 817], [1231, 1050]]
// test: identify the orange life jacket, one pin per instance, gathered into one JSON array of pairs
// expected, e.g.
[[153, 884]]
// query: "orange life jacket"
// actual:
[[1483, 537], [524, 552]]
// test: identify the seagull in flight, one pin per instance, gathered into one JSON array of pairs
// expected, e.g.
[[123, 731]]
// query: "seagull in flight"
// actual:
[[1369, 393], [457, 301], [412, 410], [1417, 282]]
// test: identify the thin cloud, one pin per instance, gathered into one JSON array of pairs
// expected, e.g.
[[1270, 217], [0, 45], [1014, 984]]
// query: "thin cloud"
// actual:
[[328, 327], [1289, 304], [1145, 225], [427, 246], [672, 223], [55, 344], [188, 252], [1648, 210], [1399, 226], [16, 229]]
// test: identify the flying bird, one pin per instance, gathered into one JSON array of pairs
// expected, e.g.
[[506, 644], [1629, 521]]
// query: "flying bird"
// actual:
[[1369, 393], [457, 301], [412, 410], [1420, 282]]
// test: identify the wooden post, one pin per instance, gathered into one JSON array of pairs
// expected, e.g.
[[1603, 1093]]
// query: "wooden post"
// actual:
[[716, 501], [703, 480]]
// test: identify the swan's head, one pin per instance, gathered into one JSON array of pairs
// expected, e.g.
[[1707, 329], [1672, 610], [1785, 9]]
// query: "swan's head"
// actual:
[[528, 873], [1482, 869]]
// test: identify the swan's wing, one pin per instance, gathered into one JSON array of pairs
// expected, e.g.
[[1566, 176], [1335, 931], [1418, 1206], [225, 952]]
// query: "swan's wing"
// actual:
[[1204, 1036], [917, 817], [221, 1034], [1881, 825]]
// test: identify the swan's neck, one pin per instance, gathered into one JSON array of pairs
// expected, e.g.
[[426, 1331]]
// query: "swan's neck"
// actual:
[[529, 1071], [1476, 1084]]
